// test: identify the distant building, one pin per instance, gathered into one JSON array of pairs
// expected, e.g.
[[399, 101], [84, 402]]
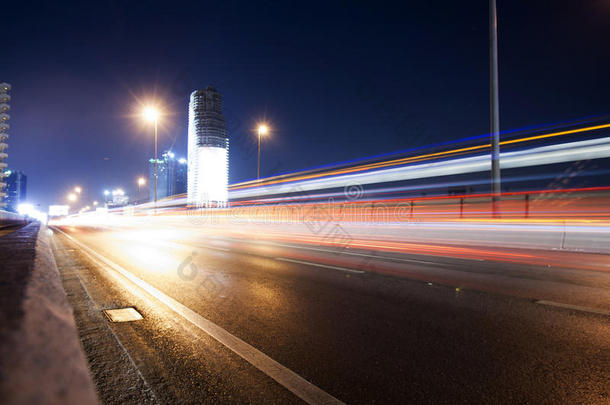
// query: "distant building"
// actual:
[[171, 176], [181, 176], [16, 189], [119, 198], [208, 150], [5, 98]]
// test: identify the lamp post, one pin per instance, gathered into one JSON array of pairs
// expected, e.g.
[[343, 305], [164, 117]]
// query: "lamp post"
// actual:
[[151, 114], [262, 130], [494, 108]]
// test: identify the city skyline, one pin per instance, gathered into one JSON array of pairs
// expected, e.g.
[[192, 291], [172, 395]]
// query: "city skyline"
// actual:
[[393, 77]]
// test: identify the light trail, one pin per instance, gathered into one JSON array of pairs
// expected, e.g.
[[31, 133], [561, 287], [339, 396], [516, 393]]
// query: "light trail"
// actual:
[[383, 172], [544, 155], [414, 159]]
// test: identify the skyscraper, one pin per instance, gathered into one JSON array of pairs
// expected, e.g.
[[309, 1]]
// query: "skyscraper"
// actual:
[[181, 176], [16, 189], [171, 176], [208, 150], [5, 98]]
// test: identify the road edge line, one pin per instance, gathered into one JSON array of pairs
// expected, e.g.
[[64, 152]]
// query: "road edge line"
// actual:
[[326, 266], [287, 378], [579, 308]]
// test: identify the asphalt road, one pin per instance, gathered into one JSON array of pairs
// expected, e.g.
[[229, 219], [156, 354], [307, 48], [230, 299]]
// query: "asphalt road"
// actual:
[[360, 326]]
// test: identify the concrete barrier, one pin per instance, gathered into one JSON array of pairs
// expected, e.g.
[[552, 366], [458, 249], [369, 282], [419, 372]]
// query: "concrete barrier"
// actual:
[[8, 218], [41, 358]]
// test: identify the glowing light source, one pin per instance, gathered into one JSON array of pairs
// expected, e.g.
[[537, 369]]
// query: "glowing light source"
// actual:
[[78, 189], [72, 197], [263, 129], [150, 114], [25, 209], [212, 176], [106, 192], [141, 181], [95, 203]]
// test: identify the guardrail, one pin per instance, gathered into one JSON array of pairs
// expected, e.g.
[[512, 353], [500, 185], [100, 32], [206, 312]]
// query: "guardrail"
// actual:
[[591, 204], [8, 218], [551, 220]]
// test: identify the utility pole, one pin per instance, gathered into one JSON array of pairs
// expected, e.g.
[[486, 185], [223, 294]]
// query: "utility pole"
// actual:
[[155, 164], [496, 187]]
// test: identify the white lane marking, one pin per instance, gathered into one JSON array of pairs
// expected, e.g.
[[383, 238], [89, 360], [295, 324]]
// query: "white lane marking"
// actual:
[[116, 338], [284, 376], [574, 307], [326, 266], [214, 247], [363, 254]]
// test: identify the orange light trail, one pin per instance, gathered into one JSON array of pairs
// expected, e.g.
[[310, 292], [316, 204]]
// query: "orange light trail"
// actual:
[[413, 159]]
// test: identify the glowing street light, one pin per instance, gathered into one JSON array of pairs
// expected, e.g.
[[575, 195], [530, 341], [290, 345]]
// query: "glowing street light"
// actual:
[[95, 203], [78, 190], [141, 182], [72, 197], [263, 129], [151, 114]]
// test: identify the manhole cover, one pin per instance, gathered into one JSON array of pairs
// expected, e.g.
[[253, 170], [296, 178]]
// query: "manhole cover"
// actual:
[[123, 314]]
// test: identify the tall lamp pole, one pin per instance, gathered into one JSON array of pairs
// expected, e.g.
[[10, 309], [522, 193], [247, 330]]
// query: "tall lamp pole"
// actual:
[[151, 114], [156, 160], [262, 130], [494, 107]]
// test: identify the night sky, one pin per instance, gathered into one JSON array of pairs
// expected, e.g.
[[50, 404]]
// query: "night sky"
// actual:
[[336, 81]]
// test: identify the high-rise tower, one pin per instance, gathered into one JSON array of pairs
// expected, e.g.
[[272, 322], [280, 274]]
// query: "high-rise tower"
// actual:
[[16, 189], [171, 175], [5, 98], [208, 150]]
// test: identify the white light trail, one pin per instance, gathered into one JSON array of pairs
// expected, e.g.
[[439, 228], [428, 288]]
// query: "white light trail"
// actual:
[[544, 155]]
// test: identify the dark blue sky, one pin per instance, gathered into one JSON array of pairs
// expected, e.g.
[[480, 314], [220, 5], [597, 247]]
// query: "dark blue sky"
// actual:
[[337, 81]]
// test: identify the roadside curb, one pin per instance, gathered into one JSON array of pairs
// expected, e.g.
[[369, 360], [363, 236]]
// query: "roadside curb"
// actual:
[[42, 360]]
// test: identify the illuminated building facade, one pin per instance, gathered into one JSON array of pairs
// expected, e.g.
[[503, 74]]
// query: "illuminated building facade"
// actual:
[[171, 176], [208, 150], [5, 98], [16, 189]]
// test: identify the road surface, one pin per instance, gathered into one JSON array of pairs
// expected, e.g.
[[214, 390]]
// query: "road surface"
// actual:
[[294, 323]]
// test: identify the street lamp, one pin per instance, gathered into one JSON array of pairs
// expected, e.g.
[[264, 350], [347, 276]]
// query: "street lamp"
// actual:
[[72, 197], [151, 114], [77, 189], [263, 129], [141, 182]]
